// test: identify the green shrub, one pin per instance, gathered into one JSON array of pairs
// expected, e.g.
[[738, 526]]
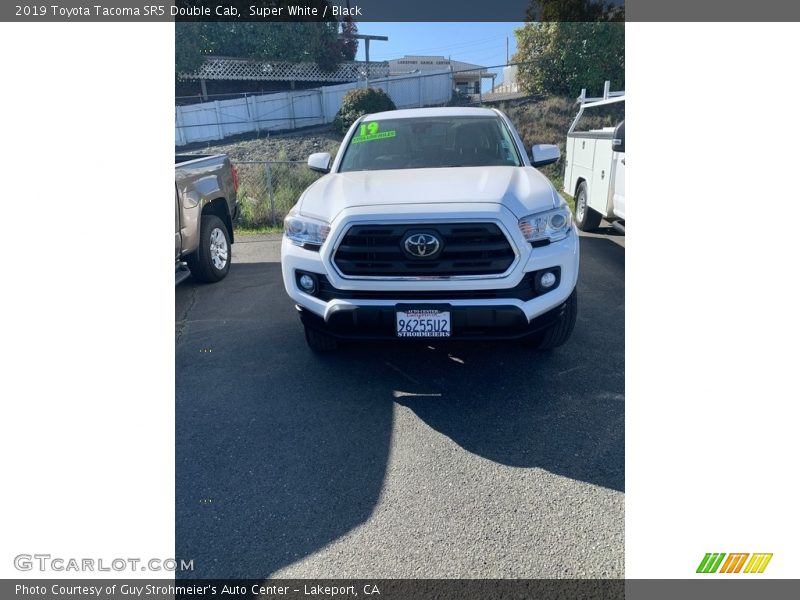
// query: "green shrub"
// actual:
[[359, 102]]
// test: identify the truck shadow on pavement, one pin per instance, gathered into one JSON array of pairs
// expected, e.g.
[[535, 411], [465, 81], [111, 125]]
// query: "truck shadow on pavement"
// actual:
[[280, 452], [562, 411]]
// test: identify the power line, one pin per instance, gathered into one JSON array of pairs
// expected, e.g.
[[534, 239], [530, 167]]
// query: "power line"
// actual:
[[458, 46]]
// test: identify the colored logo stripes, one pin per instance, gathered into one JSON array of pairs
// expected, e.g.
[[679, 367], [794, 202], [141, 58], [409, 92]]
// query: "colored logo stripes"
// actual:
[[710, 563], [734, 562]]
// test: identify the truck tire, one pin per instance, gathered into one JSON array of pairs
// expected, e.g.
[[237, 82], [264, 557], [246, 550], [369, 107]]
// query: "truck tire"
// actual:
[[559, 333], [212, 261], [320, 342], [587, 219]]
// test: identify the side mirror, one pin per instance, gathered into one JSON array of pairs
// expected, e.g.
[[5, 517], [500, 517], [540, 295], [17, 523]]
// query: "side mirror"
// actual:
[[618, 143], [545, 154], [320, 162]]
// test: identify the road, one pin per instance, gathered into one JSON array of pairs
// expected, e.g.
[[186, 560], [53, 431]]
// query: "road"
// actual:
[[392, 460]]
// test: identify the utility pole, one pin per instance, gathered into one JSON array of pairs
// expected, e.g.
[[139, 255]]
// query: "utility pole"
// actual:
[[367, 38]]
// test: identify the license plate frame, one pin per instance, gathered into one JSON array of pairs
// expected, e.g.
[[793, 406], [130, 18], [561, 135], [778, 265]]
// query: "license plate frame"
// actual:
[[423, 322]]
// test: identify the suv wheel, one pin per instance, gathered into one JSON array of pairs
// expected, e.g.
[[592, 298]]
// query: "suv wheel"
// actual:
[[213, 258], [587, 219]]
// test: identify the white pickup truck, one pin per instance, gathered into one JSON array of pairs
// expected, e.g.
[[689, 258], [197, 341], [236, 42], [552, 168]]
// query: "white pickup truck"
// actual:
[[595, 165], [432, 223]]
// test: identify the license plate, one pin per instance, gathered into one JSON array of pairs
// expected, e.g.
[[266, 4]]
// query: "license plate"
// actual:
[[423, 323]]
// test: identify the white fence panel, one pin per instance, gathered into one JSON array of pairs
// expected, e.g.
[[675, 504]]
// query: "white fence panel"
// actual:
[[291, 110], [436, 88], [271, 112], [332, 98], [306, 109], [199, 122], [234, 117], [406, 92]]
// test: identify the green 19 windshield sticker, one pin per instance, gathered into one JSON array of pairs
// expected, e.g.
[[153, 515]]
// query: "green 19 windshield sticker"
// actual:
[[369, 132]]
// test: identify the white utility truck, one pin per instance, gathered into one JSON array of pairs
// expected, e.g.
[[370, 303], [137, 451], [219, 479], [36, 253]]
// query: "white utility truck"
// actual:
[[595, 167]]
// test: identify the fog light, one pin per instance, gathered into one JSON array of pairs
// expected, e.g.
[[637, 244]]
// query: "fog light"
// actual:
[[307, 283], [547, 280]]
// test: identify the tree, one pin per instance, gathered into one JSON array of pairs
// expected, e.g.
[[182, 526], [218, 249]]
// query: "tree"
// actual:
[[575, 11], [349, 44], [295, 41], [561, 58], [575, 44], [189, 46]]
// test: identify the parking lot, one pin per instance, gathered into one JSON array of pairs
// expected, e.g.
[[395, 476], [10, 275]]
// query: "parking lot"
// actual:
[[396, 460]]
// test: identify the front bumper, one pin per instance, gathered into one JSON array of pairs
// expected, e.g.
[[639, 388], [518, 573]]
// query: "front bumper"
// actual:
[[467, 322], [479, 307]]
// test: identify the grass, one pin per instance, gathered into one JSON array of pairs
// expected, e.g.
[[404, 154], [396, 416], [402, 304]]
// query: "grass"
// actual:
[[558, 183], [253, 231], [262, 211]]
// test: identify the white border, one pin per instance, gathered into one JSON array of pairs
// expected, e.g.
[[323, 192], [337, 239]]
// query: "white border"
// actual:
[[712, 313], [87, 348]]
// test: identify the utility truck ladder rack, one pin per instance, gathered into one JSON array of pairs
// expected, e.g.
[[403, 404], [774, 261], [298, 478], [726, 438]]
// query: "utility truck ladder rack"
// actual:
[[608, 97]]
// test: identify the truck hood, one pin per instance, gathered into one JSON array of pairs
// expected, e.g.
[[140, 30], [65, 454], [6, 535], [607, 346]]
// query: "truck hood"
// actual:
[[523, 190]]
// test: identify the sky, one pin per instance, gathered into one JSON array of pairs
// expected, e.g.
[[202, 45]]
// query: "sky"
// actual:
[[479, 43]]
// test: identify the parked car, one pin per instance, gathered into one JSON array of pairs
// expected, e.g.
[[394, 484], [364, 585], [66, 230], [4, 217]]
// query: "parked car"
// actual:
[[595, 168], [432, 223], [205, 210]]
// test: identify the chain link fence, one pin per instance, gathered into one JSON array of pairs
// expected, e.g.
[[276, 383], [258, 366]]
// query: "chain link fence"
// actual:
[[268, 189]]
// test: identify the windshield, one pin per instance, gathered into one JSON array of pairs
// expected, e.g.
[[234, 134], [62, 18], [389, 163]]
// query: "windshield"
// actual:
[[430, 142]]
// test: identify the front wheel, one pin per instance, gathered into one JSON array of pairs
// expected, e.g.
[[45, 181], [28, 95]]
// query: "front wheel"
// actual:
[[587, 219], [213, 259]]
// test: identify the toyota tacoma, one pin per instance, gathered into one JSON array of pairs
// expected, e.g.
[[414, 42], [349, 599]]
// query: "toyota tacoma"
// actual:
[[206, 208], [432, 223]]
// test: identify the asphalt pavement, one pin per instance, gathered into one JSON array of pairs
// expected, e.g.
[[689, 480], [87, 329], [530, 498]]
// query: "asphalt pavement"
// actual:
[[396, 460]]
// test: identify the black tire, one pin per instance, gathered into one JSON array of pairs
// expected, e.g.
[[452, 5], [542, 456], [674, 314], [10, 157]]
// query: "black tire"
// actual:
[[212, 261], [320, 342], [559, 333], [587, 219]]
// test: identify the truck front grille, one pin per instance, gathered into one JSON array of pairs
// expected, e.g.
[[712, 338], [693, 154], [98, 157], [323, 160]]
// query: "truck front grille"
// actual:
[[467, 249], [525, 290]]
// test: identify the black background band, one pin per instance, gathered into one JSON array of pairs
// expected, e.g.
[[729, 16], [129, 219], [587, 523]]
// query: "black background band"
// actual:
[[399, 10]]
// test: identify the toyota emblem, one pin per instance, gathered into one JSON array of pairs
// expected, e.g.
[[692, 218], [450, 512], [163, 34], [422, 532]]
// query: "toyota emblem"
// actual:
[[422, 245]]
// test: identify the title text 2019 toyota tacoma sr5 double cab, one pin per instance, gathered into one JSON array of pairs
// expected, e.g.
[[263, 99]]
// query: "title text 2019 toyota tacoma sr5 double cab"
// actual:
[[432, 223]]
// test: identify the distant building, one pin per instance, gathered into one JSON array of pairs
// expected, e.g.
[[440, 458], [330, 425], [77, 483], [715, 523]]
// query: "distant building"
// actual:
[[509, 84], [466, 76]]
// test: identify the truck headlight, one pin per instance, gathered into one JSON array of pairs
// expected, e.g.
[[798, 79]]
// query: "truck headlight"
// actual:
[[302, 230], [551, 225]]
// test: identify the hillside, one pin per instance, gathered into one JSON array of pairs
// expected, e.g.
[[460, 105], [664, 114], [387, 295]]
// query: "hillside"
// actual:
[[284, 146], [545, 122], [538, 122]]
